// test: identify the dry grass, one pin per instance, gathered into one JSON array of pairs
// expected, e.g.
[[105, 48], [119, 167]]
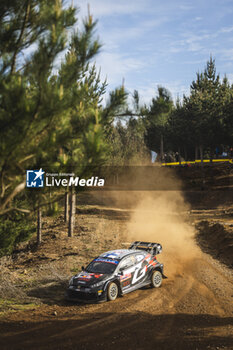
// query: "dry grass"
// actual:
[[36, 275]]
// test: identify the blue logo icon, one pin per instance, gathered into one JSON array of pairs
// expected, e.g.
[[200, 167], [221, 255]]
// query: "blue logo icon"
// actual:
[[35, 178]]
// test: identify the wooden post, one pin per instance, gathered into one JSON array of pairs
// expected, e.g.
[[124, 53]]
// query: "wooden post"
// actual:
[[72, 212], [39, 226]]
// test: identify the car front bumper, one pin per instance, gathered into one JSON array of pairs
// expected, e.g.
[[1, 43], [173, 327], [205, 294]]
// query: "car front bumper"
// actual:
[[84, 295]]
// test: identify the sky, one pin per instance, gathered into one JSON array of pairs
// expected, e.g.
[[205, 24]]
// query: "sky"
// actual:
[[161, 42]]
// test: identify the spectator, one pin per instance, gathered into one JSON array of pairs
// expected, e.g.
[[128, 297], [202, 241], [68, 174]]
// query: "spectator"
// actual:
[[231, 152]]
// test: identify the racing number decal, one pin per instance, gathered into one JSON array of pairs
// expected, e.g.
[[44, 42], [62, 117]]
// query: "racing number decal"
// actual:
[[138, 274]]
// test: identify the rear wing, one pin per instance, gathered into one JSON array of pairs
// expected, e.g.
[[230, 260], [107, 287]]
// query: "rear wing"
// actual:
[[152, 248]]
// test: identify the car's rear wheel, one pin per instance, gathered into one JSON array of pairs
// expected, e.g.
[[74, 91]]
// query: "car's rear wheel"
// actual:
[[156, 279], [112, 291]]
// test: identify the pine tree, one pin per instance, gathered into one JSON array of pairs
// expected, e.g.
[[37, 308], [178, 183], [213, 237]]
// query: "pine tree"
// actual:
[[48, 104], [179, 134], [205, 108], [156, 120]]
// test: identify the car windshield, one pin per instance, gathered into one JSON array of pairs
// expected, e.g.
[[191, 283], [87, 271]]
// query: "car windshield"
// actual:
[[101, 265]]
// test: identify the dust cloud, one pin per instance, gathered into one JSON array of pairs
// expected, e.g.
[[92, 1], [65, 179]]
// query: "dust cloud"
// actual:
[[161, 217]]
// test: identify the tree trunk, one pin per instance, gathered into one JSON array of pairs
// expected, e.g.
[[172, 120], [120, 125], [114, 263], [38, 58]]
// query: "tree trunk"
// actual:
[[50, 204], [39, 226], [202, 169], [115, 179], [179, 156], [211, 155], [161, 149], [66, 211], [196, 152], [201, 154], [72, 212]]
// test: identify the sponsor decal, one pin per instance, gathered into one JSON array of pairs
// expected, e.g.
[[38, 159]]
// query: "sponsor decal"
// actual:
[[84, 276], [87, 276], [125, 277], [110, 261], [140, 257], [111, 255], [153, 261], [126, 283]]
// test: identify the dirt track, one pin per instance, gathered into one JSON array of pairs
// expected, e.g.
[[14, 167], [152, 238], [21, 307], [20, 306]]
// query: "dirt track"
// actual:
[[189, 311], [192, 310]]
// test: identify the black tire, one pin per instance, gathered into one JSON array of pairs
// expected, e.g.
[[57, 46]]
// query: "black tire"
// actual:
[[112, 291], [156, 279]]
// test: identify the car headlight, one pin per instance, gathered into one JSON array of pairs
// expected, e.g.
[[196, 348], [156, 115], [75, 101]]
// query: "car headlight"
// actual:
[[97, 284]]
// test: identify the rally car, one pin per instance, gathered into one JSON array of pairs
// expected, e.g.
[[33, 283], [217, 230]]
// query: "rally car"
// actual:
[[118, 272]]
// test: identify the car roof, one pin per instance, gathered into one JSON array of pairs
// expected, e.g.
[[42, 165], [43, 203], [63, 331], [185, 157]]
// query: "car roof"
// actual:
[[119, 253]]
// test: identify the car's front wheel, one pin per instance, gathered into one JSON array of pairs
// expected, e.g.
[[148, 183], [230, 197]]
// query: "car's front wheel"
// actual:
[[156, 279], [112, 291]]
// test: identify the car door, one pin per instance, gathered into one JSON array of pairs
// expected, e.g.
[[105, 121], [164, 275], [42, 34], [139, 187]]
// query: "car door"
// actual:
[[126, 269], [140, 268]]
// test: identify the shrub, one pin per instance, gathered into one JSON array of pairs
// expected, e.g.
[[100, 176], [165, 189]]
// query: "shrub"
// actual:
[[14, 228]]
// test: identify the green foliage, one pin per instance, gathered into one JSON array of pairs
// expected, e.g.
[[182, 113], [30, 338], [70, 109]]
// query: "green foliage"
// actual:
[[14, 228], [53, 209], [115, 106], [126, 143], [204, 119], [157, 118], [50, 93], [204, 106]]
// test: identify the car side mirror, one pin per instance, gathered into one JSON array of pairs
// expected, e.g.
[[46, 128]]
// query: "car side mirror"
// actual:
[[121, 272], [83, 268]]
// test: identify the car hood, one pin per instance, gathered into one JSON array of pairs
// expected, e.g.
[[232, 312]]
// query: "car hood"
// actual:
[[88, 278]]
